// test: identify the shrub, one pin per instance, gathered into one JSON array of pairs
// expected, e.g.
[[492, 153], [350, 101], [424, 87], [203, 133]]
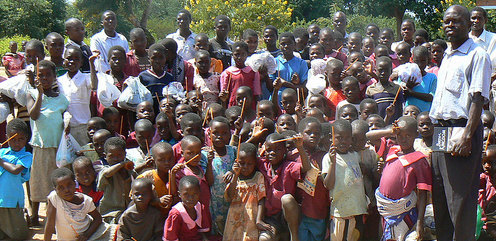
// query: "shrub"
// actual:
[[4, 43]]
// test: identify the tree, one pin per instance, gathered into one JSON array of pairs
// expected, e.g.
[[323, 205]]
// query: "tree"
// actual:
[[34, 18]]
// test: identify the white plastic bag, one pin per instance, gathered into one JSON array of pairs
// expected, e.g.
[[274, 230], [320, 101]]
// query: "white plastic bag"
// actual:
[[106, 91], [16, 88], [4, 111], [134, 94], [316, 84], [67, 150], [258, 60], [407, 70], [175, 89]]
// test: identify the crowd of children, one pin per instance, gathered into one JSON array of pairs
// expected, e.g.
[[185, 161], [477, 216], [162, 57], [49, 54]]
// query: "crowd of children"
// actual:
[[321, 135]]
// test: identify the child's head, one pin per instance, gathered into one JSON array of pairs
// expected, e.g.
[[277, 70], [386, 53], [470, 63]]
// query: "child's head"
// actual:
[[73, 58], [195, 100], [318, 101], [327, 39], [351, 89], [94, 124], [311, 131], [339, 21], [216, 109], [35, 51], [266, 124], [74, 29], [250, 37], [487, 119], [313, 31], [13, 46], [375, 122], [202, 61], [290, 144], [368, 46], [115, 150], [317, 114], [420, 37], [265, 108], [372, 31], [63, 181], [316, 51], [438, 47], [287, 43], [84, 171], [347, 112], [99, 139], [47, 74], [343, 136], [163, 156], [137, 37], [113, 119], [383, 68], [386, 37], [354, 42], [168, 102], [109, 21], [421, 57], [270, 36], [142, 193], [201, 42], [407, 30], [117, 58], [411, 110], [191, 124], [368, 107], [240, 53], [144, 133], [232, 114], [55, 44], [244, 93], [247, 159], [425, 125], [489, 160], [162, 122], [407, 132], [289, 98], [222, 25], [355, 56], [285, 122], [356, 70], [183, 19], [301, 38], [275, 152], [359, 129], [20, 129], [189, 191], [191, 146], [220, 131], [157, 56], [181, 110], [381, 50], [144, 110], [403, 52], [333, 70]]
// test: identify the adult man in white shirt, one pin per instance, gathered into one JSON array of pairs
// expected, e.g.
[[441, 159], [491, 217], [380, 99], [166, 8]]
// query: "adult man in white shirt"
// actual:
[[482, 37], [184, 38], [105, 39], [462, 89]]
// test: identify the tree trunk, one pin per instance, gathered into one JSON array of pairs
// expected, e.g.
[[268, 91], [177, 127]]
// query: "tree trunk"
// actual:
[[146, 14], [398, 15]]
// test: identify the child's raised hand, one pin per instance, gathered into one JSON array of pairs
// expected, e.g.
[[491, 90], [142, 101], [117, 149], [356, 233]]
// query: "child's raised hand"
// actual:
[[224, 95], [410, 82], [236, 169], [95, 55], [332, 153], [295, 79], [390, 110], [149, 161], [210, 155], [258, 129], [30, 75], [177, 167], [298, 139], [128, 165], [277, 83], [166, 201]]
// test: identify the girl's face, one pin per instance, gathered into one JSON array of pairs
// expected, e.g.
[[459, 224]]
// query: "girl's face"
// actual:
[[343, 141], [164, 160], [288, 102], [157, 61], [190, 151], [246, 163], [221, 134], [85, 174], [203, 64], [275, 152], [285, 123], [239, 55], [72, 60], [113, 122], [145, 111], [163, 128], [252, 42], [117, 60], [311, 135], [46, 77], [190, 195], [65, 187], [425, 126]]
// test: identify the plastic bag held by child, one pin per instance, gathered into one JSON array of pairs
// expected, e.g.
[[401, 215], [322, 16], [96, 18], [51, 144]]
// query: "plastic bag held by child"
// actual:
[[134, 94], [16, 88], [4, 111], [106, 91], [407, 71], [262, 59], [67, 150], [175, 89]]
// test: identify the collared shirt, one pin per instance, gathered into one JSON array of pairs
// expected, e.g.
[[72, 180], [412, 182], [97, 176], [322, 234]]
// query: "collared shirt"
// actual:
[[102, 42], [463, 72], [487, 40], [77, 90], [12, 192], [185, 46], [286, 69], [85, 67]]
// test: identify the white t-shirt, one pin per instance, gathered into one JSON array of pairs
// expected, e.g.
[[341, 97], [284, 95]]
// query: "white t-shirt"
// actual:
[[78, 92]]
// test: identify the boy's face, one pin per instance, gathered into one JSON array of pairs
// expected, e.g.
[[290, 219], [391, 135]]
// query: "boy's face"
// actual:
[[372, 32], [194, 129], [92, 127], [486, 121], [33, 54], [243, 95], [65, 187], [246, 163], [354, 44], [109, 22], [368, 109], [386, 38], [157, 61], [339, 22], [406, 138], [403, 53], [375, 123], [410, 112], [46, 77], [316, 102], [285, 123], [419, 40], [421, 61], [115, 155], [163, 128], [164, 159], [190, 195], [144, 138], [142, 195], [202, 63], [327, 40], [407, 31], [190, 150], [349, 114], [334, 74], [275, 152], [301, 43], [287, 45], [269, 37], [145, 111], [355, 56], [356, 70], [181, 110], [183, 21], [265, 110], [288, 102], [343, 141], [252, 42], [85, 174], [221, 134], [201, 44], [311, 135], [383, 69], [437, 53], [72, 60], [239, 55], [55, 46], [316, 52], [222, 28], [314, 32], [18, 142], [352, 92], [76, 31], [359, 140], [13, 47], [113, 122], [368, 47], [425, 126], [99, 143], [138, 41]]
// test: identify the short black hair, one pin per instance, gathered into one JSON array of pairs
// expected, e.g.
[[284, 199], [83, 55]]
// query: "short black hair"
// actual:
[[273, 28], [59, 173], [409, 20], [115, 142], [301, 33], [53, 35], [287, 35], [420, 51], [441, 43], [409, 122], [48, 64], [169, 44], [116, 48], [100, 122], [108, 11], [68, 23], [334, 63], [223, 18], [143, 125], [307, 120], [188, 140], [350, 79], [374, 26], [386, 59], [143, 181], [342, 125], [74, 48], [347, 106], [360, 126], [357, 34], [190, 118], [241, 45], [480, 10], [220, 119], [245, 88], [202, 52], [274, 137], [186, 12], [249, 33], [248, 148], [18, 125], [110, 111], [367, 101], [159, 47], [37, 45], [422, 33], [189, 180], [102, 132], [161, 116], [318, 45], [82, 160], [387, 31], [161, 146], [136, 32]]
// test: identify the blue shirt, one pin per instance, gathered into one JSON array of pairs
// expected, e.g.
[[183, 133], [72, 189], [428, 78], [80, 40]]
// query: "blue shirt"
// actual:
[[427, 86], [287, 68], [11, 190]]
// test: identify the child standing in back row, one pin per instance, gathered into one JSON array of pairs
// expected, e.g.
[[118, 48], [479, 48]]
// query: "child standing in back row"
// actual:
[[205, 81]]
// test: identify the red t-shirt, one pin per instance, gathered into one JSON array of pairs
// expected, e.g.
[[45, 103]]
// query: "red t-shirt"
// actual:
[[240, 77], [317, 206], [204, 187], [95, 195], [180, 226]]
